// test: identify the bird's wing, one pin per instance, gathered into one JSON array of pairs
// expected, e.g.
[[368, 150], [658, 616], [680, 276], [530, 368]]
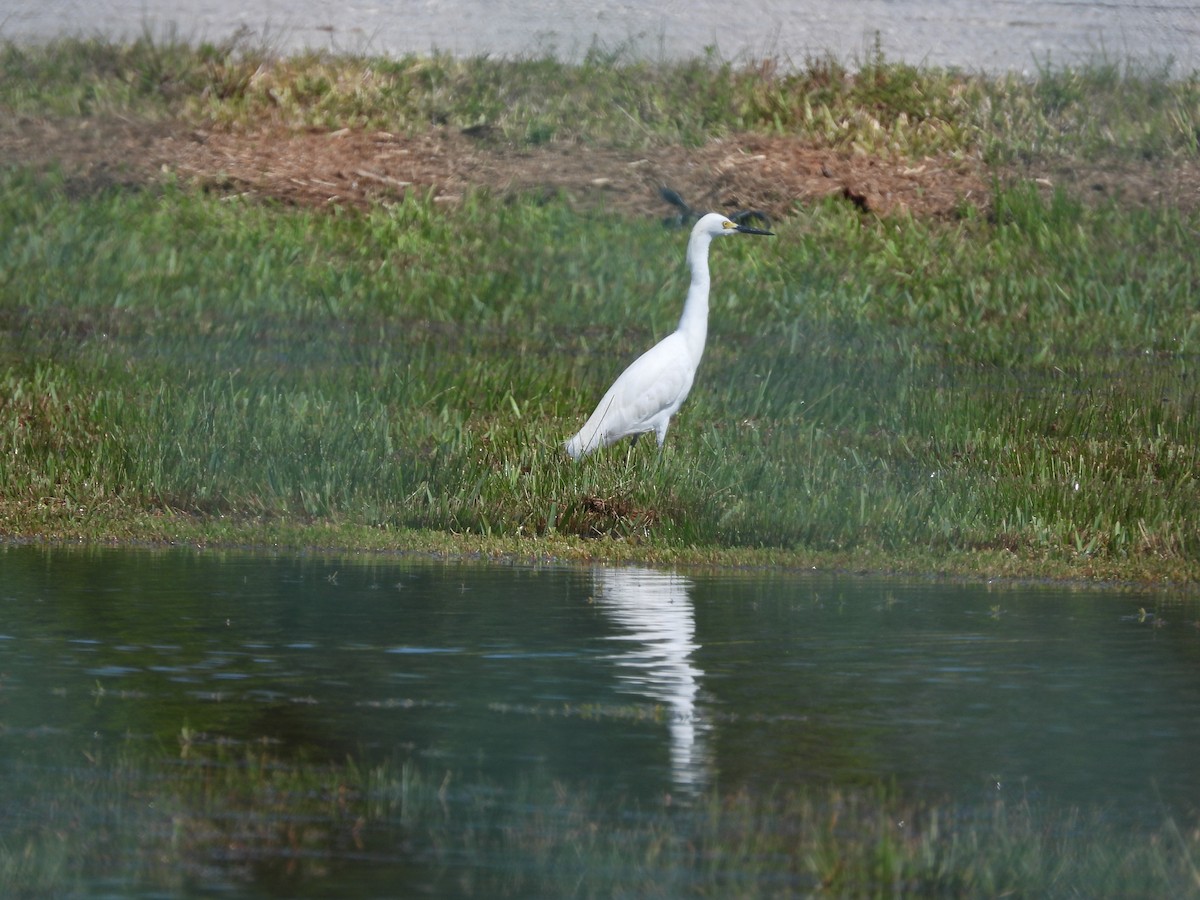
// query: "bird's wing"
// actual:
[[655, 383]]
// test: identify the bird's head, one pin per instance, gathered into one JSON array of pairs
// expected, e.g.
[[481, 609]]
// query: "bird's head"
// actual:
[[714, 224]]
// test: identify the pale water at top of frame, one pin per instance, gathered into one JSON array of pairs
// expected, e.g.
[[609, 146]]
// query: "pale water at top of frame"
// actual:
[[991, 36]]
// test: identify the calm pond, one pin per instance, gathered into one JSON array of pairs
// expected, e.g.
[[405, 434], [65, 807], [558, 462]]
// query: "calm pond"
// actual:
[[644, 685]]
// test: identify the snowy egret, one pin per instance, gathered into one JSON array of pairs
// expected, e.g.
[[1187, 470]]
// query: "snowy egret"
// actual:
[[652, 389]]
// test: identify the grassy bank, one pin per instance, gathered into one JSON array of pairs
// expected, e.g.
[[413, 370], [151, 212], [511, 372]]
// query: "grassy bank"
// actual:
[[223, 816], [1007, 392], [1109, 108]]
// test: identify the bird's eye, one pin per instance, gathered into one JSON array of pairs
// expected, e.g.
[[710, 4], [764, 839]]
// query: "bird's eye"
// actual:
[[728, 224]]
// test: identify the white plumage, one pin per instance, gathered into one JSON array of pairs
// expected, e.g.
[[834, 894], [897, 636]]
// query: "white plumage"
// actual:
[[652, 389]]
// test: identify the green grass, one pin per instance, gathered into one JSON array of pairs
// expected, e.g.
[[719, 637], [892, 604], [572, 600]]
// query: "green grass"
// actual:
[[1107, 109], [614, 97], [1009, 392], [1019, 385], [226, 816]]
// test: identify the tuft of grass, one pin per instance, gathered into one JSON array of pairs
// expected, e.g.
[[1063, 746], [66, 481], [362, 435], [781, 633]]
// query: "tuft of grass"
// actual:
[[1106, 109], [616, 97]]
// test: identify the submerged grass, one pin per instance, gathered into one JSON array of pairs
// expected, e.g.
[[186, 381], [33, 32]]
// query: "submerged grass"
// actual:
[[1005, 393], [225, 815]]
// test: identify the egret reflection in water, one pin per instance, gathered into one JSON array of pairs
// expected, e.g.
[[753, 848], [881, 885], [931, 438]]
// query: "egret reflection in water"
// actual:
[[656, 613]]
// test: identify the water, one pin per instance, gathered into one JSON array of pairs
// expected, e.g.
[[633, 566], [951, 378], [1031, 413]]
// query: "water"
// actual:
[[629, 682], [1017, 35]]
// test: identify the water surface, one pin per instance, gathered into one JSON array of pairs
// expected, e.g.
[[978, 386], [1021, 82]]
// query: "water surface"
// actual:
[[628, 682]]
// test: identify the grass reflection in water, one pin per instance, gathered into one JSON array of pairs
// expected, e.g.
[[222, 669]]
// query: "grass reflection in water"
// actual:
[[222, 815]]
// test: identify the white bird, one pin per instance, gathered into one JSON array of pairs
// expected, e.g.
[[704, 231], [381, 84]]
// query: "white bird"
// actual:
[[652, 389]]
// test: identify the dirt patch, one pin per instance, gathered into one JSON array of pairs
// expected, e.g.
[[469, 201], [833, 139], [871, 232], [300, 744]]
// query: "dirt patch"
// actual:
[[355, 168], [1148, 183]]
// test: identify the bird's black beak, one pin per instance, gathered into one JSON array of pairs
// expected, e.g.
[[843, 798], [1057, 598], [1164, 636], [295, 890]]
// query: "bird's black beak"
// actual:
[[746, 229]]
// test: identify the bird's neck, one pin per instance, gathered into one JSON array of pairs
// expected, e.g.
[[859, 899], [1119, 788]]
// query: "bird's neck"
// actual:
[[693, 324]]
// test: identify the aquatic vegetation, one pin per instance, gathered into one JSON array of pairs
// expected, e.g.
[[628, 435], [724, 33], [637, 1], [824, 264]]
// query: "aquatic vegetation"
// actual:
[[226, 814]]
